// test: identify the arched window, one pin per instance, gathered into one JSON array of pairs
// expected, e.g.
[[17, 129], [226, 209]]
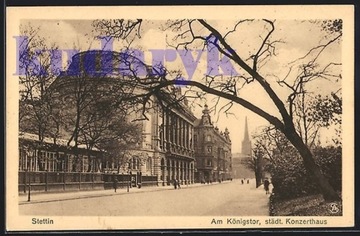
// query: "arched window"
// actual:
[[148, 164], [134, 163]]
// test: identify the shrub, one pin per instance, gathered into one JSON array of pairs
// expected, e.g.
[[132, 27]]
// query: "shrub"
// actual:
[[290, 179]]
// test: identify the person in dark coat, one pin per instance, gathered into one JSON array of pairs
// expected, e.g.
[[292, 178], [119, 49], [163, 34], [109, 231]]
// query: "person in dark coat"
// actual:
[[266, 186], [178, 184], [115, 183], [242, 181], [175, 183]]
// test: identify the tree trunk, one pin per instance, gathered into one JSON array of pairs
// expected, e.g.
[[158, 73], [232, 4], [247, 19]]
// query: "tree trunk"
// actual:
[[257, 178], [328, 192], [286, 127], [258, 171]]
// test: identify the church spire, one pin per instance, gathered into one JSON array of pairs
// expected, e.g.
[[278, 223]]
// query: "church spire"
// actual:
[[246, 143], [246, 134]]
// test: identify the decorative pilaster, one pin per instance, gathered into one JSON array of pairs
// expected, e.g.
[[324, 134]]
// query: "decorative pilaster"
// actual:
[[170, 171], [157, 166], [192, 172], [183, 172]]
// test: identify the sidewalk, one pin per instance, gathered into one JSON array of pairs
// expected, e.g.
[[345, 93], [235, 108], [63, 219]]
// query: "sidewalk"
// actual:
[[63, 196]]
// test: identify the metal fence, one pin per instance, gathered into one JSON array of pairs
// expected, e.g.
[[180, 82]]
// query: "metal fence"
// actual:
[[43, 181]]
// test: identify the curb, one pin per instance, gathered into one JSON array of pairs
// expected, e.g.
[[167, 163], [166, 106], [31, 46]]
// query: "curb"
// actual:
[[86, 196], [110, 194]]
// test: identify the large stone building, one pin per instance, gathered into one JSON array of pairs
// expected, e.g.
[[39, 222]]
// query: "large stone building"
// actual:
[[212, 150], [173, 144], [166, 148]]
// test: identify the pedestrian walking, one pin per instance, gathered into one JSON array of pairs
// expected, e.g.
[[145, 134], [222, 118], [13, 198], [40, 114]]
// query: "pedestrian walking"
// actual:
[[178, 184], [266, 186], [175, 183], [242, 181], [115, 183], [247, 181]]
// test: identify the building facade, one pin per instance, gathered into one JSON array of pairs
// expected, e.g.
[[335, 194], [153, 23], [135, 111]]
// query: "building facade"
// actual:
[[165, 150], [212, 151]]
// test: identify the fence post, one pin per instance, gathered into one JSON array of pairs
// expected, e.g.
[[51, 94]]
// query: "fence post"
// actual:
[[24, 180], [46, 180], [92, 179], [79, 180], [131, 179], [64, 180], [29, 187]]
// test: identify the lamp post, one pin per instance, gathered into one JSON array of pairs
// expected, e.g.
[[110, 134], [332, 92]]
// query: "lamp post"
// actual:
[[129, 181], [29, 185]]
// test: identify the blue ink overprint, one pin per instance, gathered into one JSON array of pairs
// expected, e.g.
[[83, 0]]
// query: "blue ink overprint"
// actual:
[[129, 62]]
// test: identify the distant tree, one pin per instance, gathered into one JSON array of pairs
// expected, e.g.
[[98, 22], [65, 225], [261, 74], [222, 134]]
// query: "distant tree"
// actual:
[[256, 163]]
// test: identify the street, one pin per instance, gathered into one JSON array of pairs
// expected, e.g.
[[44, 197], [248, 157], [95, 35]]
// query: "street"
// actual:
[[224, 199]]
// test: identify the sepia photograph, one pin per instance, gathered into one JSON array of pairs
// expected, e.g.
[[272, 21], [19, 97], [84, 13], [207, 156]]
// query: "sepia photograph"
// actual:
[[179, 118]]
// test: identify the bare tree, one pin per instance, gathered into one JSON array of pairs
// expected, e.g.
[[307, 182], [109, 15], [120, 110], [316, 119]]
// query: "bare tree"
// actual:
[[94, 103], [37, 72], [36, 75], [195, 33], [256, 163]]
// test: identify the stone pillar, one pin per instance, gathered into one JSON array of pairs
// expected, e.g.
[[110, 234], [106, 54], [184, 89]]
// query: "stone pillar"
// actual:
[[192, 172], [157, 164], [167, 128], [183, 173], [179, 171], [187, 137], [187, 173], [189, 170], [184, 134], [170, 171], [173, 128], [165, 172], [177, 141], [179, 133]]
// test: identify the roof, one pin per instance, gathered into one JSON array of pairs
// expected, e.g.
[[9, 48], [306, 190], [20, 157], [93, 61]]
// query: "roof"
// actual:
[[60, 142], [197, 122]]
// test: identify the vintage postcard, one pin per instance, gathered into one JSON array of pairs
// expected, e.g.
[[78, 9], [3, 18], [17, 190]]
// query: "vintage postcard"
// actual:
[[201, 117]]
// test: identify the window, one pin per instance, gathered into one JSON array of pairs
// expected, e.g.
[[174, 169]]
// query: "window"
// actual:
[[42, 161], [85, 164], [208, 138], [209, 149], [22, 160], [148, 164], [134, 163], [50, 161]]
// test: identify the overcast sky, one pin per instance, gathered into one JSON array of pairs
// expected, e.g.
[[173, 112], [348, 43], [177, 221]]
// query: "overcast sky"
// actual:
[[298, 38]]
